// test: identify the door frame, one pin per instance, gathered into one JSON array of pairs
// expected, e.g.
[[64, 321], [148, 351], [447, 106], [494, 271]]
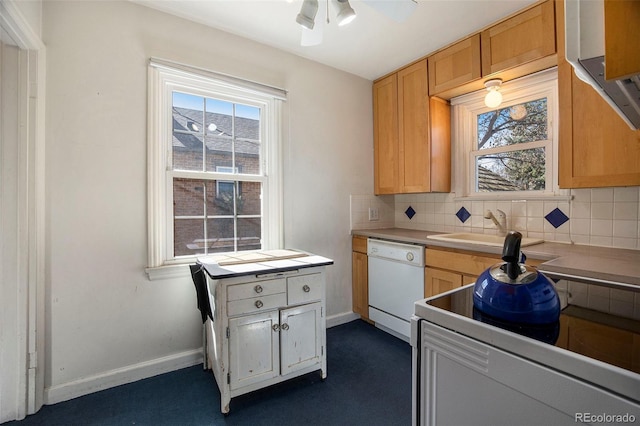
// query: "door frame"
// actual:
[[24, 266]]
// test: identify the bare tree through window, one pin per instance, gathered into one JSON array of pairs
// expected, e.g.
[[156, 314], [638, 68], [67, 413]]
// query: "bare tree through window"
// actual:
[[509, 150]]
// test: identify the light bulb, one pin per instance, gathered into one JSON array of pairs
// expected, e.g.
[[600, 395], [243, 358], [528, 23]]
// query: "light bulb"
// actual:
[[493, 99]]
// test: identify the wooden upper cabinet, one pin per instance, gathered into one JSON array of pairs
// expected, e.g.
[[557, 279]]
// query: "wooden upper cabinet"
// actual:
[[385, 135], [621, 35], [596, 147], [413, 121], [407, 136], [454, 66], [523, 38], [440, 143]]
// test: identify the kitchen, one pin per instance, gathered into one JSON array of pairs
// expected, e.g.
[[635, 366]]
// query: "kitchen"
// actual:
[[96, 97]]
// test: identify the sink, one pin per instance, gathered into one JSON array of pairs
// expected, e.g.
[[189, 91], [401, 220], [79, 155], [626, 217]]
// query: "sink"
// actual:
[[484, 239]]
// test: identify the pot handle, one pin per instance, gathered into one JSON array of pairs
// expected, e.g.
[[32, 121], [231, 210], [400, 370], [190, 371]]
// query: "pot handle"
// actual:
[[511, 253]]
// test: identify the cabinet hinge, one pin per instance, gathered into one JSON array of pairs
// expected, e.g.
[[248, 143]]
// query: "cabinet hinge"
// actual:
[[321, 312], [228, 378], [322, 350], [228, 333]]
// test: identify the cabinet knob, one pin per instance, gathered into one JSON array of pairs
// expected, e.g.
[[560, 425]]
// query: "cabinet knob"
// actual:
[[259, 304], [285, 326], [306, 288], [258, 288], [276, 327]]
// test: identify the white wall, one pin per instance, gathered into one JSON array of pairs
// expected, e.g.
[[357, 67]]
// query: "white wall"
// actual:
[[107, 323]]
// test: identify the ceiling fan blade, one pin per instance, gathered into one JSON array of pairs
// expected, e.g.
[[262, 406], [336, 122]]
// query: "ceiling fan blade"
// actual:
[[398, 10]]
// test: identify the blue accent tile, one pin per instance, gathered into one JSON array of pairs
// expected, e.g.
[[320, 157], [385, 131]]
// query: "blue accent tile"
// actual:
[[556, 217], [410, 212], [463, 214]]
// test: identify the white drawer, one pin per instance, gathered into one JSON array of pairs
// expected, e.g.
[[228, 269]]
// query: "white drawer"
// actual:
[[303, 289], [255, 289], [256, 304]]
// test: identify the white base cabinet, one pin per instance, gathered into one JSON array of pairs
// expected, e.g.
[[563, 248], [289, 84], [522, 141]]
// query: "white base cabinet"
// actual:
[[265, 329]]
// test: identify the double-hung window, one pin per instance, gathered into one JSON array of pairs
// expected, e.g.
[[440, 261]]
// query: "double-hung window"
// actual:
[[214, 149], [511, 150]]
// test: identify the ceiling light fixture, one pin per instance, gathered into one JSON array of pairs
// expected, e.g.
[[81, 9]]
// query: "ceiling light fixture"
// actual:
[[307, 15], [309, 10], [493, 99], [346, 13]]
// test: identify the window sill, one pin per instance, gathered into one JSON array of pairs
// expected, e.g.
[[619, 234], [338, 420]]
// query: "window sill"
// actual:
[[168, 272]]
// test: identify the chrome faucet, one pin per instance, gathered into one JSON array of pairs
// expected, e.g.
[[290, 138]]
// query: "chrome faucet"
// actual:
[[500, 223]]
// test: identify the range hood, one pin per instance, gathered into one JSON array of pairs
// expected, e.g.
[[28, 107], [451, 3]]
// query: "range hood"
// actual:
[[584, 41]]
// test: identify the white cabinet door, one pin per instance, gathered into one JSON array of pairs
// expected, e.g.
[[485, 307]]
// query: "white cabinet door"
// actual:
[[300, 337], [253, 349]]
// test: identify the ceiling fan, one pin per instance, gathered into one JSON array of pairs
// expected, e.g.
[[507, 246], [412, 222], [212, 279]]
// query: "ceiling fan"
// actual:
[[398, 10]]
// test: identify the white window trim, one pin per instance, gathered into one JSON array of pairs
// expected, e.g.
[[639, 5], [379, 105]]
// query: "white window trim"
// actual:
[[464, 111], [163, 78]]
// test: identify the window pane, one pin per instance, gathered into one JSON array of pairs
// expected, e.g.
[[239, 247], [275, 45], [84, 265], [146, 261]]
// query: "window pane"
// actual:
[[249, 232], [188, 197], [188, 237], [219, 152], [187, 113], [233, 136], [250, 198], [511, 171], [512, 125], [220, 198], [220, 235]]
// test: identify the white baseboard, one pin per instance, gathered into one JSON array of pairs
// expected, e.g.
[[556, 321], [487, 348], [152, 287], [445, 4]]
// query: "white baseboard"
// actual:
[[342, 318], [121, 376], [143, 370]]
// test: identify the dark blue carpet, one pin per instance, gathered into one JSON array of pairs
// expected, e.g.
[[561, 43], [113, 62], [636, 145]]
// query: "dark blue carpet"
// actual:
[[368, 383]]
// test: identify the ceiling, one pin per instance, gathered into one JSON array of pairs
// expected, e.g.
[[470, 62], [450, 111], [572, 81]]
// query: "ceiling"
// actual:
[[370, 46]]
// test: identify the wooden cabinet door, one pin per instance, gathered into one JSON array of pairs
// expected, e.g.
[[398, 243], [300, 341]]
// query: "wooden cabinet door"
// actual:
[[599, 341], [621, 35], [437, 281], [254, 349], [385, 135], [527, 36], [359, 244], [413, 136], [596, 148], [469, 279], [300, 337], [360, 284], [440, 141], [454, 66]]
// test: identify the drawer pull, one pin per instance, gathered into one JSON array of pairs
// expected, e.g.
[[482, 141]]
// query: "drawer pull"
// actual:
[[258, 288], [259, 304], [306, 288], [284, 326], [276, 327]]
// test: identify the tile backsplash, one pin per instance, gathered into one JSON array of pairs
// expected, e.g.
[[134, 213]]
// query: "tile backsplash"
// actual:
[[607, 217]]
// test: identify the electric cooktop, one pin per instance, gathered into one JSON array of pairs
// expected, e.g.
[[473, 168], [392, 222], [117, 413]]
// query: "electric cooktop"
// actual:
[[599, 335]]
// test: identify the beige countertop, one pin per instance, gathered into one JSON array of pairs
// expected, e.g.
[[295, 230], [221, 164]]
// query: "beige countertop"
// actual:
[[607, 266]]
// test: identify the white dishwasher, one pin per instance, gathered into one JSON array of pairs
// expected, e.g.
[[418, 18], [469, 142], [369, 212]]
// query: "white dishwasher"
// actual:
[[396, 282]]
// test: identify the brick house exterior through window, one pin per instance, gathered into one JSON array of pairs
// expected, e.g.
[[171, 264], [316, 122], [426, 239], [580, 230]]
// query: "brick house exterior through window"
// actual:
[[216, 171]]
